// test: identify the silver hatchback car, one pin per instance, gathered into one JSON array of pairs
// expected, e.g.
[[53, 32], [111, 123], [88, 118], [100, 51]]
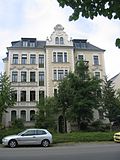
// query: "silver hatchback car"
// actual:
[[29, 137]]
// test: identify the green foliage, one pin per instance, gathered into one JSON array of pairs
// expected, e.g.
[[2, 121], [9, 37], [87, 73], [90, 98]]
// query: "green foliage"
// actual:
[[110, 101], [6, 98], [77, 95], [18, 123], [45, 117], [93, 8]]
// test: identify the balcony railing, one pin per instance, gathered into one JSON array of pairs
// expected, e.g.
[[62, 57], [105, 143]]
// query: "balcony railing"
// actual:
[[23, 84]]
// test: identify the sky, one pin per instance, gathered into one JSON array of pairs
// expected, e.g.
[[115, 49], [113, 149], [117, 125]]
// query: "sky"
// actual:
[[37, 19]]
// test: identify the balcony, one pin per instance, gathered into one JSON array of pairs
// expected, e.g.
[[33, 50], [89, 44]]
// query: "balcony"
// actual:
[[26, 104], [24, 84]]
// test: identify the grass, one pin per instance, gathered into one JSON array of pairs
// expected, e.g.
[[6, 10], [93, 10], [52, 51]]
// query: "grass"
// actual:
[[69, 137], [83, 137]]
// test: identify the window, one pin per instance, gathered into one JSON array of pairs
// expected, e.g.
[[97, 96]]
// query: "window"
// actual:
[[24, 59], [14, 95], [23, 96], [40, 132], [14, 76], [13, 115], [32, 76], [23, 115], [32, 59], [54, 57], [41, 78], [55, 92], [32, 115], [60, 74], [15, 58], [41, 95], [23, 76], [56, 40], [25, 43], [96, 60], [55, 75], [32, 95], [59, 57], [65, 57], [66, 73], [41, 61], [97, 75], [80, 57], [61, 40], [32, 44], [29, 133]]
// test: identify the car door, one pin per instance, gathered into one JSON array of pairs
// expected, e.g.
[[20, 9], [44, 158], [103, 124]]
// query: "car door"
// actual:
[[40, 135], [27, 138]]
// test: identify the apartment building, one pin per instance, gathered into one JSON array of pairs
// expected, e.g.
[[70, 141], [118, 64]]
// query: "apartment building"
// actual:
[[36, 67]]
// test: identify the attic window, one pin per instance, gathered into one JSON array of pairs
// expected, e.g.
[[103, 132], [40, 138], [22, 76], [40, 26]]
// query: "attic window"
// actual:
[[56, 40], [25, 43], [61, 40], [32, 44]]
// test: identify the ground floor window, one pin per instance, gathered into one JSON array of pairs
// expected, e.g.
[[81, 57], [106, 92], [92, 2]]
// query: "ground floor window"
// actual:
[[23, 115], [13, 115], [32, 115]]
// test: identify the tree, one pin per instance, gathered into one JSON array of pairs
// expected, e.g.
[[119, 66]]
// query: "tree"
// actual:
[[6, 94], [65, 96], [86, 94], [45, 117], [110, 100], [77, 95], [93, 8]]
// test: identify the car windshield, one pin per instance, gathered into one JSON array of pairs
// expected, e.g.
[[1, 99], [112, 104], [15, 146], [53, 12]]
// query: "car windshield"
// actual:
[[19, 134]]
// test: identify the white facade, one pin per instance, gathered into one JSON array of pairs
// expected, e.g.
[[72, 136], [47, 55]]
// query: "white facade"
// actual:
[[36, 67]]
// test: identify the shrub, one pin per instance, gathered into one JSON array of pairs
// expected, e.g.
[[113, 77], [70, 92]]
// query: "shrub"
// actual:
[[18, 123]]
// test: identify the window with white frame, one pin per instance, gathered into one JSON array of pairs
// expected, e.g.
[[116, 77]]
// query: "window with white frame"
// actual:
[[61, 40], [14, 76], [24, 59], [25, 43], [41, 61], [95, 60], [56, 40], [59, 74], [32, 59], [15, 58], [80, 57], [23, 96], [32, 76], [97, 75], [41, 78], [60, 57], [23, 76], [32, 95]]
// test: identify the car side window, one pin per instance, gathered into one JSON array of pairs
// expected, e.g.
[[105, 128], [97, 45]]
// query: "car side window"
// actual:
[[40, 132], [29, 133]]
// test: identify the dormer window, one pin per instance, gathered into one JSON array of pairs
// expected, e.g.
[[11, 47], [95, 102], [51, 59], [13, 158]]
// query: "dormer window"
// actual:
[[56, 40], [32, 44], [61, 40], [25, 43]]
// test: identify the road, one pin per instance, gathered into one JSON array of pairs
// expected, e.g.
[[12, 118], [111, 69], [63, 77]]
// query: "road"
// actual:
[[81, 151]]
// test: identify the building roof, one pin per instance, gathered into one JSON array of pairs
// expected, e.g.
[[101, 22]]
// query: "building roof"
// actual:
[[19, 44], [84, 45]]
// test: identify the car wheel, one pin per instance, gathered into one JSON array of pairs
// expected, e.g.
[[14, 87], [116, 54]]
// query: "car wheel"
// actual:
[[45, 143], [12, 143]]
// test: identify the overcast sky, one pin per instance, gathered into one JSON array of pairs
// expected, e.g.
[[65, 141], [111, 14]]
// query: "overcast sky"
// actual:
[[37, 18]]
